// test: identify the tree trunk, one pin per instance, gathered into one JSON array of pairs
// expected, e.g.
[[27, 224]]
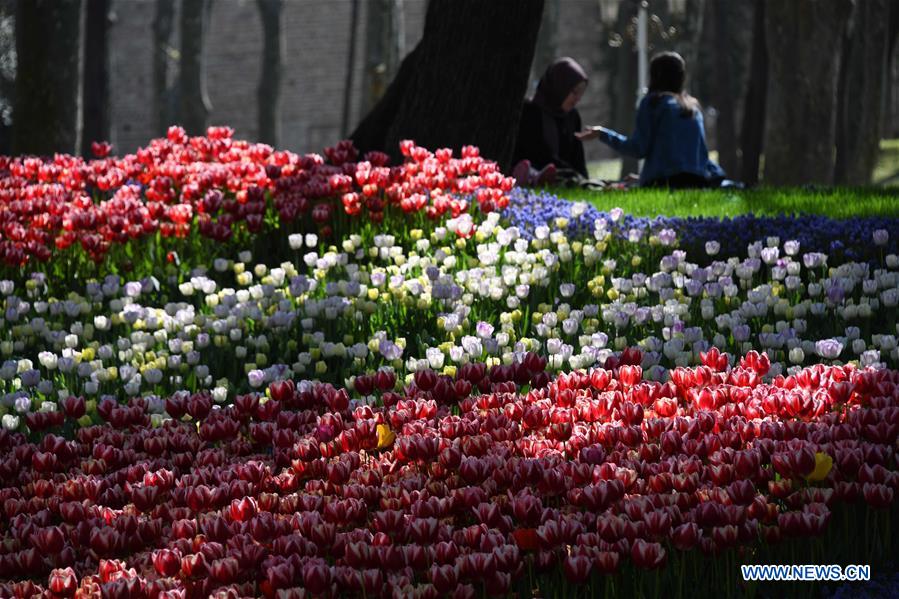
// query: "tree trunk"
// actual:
[[163, 24], [350, 67], [96, 121], [547, 49], [47, 109], [371, 133], [753, 132], [7, 73], [804, 35], [694, 23], [623, 75], [892, 35], [268, 94], [463, 84], [195, 104], [383, 48], [726, 130], [862, 80]]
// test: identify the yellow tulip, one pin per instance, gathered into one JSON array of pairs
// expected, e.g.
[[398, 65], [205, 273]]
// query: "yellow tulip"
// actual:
[[823, 464], [386, 437]]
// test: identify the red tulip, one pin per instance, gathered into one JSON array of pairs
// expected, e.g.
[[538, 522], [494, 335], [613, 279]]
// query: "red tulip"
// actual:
[[225, 570], [424, 530], [243, 509], [48, 541], [194, 565], [549, 535], [425, 379], [63, 582], [44, 462], [724, 536], [630, 375], [444, 578], [658, 523], [184, 529], [104, 541], [497, 583], [317, 577], [508, 557], [577, 568], [199, 405], [385, 380], [175, 407], [686, 536], [647, 555], [282, 390], [74, 407], [167, 562], [877, 496], [246, 404], [281, 576], [606, 562]]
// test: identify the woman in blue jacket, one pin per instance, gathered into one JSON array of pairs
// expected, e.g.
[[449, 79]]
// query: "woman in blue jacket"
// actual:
[[669, 136]]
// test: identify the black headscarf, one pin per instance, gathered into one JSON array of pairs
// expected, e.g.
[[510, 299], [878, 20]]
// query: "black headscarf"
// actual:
[[560, 78]]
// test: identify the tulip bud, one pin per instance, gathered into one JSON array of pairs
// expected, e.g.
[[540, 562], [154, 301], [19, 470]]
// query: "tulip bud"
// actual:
[[63, 582], [167, 562]]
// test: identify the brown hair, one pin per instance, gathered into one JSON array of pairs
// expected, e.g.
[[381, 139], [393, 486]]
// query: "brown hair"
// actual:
[[667, 74]]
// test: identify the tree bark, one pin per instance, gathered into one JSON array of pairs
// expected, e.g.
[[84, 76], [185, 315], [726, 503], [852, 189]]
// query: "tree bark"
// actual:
[[350, 67], [195, 104], [694, 24], [463, 84], [163, 24], [862, 79], [47, 109], [726, 137], [96, 121], [7, 73], [753, 130], [371, 133], [383, 48], [804, 35], [893, 34], [622, 92], [268, 94], [547, 48]]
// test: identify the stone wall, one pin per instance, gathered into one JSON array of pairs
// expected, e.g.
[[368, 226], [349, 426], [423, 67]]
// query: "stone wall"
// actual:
[[316, 37]]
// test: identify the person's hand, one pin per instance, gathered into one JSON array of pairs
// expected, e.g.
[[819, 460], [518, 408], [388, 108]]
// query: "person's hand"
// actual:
[[588, 133]]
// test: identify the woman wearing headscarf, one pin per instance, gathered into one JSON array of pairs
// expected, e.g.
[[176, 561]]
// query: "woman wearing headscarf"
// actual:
[[547, 147]]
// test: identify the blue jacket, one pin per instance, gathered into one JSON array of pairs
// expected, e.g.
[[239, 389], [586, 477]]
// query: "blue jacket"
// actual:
[[668, 142]]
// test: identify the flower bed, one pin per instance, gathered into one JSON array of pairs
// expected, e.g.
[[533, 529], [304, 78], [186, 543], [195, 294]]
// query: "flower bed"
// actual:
[[858, 239], [302, 492], [221, 188], [493, 399], [435, 299]]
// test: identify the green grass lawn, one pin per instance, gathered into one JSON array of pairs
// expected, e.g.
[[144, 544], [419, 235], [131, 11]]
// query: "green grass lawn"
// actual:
[[887, 165], [836, 203]]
